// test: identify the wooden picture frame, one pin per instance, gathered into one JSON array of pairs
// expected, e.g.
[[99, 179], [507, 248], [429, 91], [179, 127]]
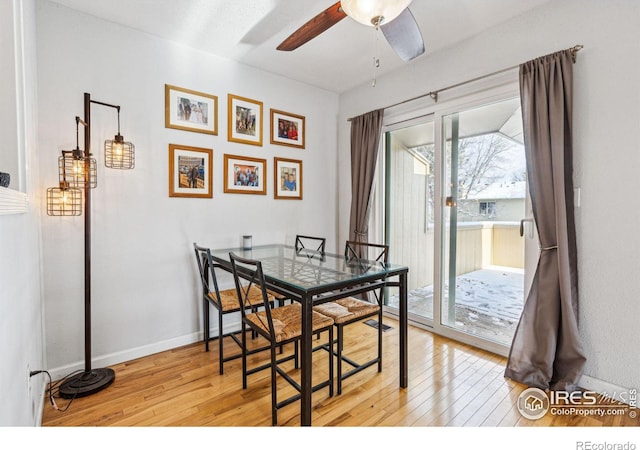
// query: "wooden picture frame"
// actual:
[[244, 120], [287, 175], [287, 129], [190, 171], [189, 110], [245, 175]]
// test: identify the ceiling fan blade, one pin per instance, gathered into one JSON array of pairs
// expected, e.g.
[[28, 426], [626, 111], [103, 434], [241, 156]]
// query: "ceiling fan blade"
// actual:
[[404, 36], [320, 23]]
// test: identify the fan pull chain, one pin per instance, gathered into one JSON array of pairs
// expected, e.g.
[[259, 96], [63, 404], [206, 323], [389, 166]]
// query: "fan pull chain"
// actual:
[[376, 60]]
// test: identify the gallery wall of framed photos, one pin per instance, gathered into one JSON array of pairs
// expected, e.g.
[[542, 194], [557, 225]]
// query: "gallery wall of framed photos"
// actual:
[[144, 229], [192, 168]]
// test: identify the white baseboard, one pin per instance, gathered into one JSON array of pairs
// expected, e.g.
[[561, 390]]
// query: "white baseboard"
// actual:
[[126, 355], [605, 388], [137, 352]]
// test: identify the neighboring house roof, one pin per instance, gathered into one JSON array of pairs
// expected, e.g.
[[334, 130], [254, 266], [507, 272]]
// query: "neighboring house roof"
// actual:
[[503, 190]]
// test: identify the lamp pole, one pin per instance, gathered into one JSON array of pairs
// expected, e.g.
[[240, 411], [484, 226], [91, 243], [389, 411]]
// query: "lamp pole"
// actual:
[[87, 233], [91, 380]]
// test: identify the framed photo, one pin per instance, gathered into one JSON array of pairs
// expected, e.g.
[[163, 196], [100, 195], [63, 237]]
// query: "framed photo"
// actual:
[[287, 129], [244, 175], [190, 171], [245, 120], [288, 178], [189, 110]]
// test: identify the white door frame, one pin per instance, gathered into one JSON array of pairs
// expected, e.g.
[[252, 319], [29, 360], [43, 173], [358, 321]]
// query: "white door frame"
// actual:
[[411, 116]]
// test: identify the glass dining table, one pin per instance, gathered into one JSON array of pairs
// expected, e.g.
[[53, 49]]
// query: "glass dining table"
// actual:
[[310, 277]]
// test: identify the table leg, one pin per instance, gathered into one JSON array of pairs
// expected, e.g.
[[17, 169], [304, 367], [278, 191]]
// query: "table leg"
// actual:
[[306, 362], [404, 329]]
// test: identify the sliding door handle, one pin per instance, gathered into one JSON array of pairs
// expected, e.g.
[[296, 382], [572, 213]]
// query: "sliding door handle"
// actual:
[[528, 219]]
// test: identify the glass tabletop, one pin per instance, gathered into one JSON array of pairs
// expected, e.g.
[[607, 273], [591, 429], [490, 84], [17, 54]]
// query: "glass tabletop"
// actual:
[[306, 269]]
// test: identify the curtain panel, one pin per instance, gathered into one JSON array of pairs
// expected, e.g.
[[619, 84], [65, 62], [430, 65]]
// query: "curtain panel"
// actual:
[[365, 140], [547, 350]]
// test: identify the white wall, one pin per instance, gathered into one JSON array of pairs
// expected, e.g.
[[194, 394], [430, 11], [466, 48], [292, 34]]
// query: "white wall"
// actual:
[[606, 117], [145, 283], [21, 309]]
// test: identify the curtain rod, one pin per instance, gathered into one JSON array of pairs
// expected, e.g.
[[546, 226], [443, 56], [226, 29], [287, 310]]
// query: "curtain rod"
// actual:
[[434, 94]]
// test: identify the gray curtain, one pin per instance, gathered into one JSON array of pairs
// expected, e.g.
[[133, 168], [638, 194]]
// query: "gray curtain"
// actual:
[[365, 140], [547, 351]]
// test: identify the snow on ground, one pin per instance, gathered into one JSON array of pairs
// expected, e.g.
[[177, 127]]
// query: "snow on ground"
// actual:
[[488, 302]]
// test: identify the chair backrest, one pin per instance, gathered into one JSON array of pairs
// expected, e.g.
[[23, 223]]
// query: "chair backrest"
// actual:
[[206, 267], [316, 244], [251, 272], [366, 251]]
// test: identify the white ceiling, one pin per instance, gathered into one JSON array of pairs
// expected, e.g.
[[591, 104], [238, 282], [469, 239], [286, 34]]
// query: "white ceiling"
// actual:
[[249, 31]]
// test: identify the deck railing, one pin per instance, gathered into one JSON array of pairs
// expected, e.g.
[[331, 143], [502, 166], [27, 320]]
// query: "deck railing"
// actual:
[[479, 245]]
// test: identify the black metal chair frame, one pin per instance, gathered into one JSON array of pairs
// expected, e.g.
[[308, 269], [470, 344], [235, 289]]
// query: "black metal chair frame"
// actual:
[[207, 268], [302, 239], [315, 250], [251, 270], [354, 252]]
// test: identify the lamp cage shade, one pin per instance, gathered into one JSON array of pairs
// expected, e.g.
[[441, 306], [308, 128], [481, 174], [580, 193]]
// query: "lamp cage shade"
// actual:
[[374, 12], [63, 201], [119, 154], [72, 170]]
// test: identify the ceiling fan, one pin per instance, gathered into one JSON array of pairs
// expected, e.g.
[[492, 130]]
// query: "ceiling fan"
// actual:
[[393, 17]]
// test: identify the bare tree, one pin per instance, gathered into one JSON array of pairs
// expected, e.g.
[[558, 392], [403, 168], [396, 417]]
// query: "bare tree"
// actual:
[[481, 162]]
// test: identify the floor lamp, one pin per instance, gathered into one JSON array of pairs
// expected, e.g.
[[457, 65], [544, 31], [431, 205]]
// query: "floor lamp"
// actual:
[[77, 176]]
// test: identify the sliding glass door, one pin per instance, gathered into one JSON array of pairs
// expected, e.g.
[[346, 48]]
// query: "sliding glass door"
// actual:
[[456, 213], [485, 201], [410, 218]]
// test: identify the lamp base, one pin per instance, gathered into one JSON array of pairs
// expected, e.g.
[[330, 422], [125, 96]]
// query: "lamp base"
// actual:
[[87, 383]]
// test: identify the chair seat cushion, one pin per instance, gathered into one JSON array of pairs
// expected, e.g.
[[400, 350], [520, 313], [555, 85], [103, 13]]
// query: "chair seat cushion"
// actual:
[[287, 321], [347, 309], [275, 295], [229, 298]]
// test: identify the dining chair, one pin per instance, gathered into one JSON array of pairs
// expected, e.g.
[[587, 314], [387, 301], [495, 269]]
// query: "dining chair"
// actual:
[[279, 326], [225, 302], [305, 246], [348, 310], [313, 243]]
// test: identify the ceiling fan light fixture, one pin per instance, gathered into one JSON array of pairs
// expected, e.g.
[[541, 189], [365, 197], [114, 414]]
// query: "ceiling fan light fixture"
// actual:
[[374, 12]]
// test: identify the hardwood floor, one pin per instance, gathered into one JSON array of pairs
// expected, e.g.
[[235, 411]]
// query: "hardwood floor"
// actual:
[[450, 385]]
